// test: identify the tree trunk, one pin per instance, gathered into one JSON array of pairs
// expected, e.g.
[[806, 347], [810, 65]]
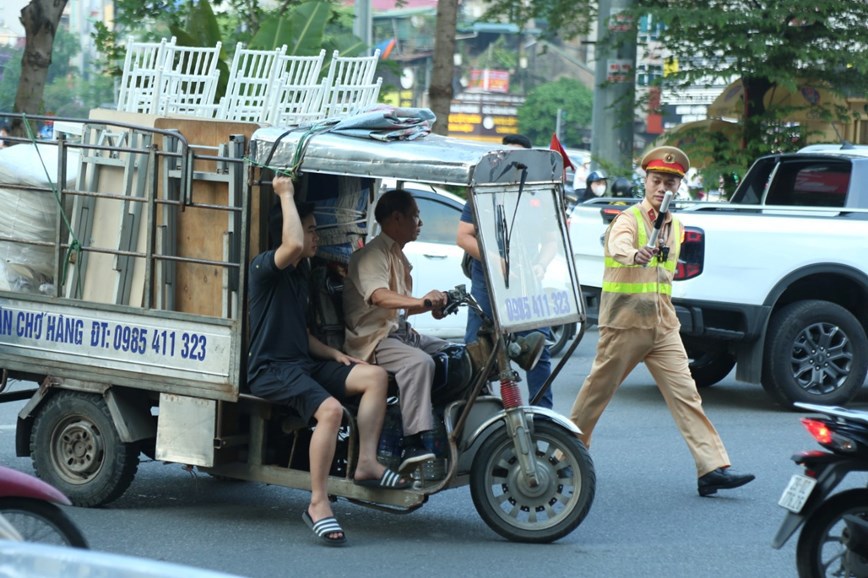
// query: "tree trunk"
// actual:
[[440, 90], [40, 19]]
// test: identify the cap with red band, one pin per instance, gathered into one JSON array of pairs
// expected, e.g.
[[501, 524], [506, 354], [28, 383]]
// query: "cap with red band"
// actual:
[[666, 160]]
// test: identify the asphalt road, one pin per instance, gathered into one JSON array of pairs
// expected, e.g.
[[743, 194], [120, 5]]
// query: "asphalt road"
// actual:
[[647, 518]]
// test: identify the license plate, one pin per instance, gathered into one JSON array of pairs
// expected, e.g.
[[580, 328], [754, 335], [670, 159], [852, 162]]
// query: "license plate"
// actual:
[[797, 492]]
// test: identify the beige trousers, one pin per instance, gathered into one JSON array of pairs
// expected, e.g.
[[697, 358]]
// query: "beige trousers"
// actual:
[[413, 367], [619, 351]]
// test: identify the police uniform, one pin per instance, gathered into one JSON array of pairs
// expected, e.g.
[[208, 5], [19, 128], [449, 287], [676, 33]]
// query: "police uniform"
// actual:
[[637, 323]]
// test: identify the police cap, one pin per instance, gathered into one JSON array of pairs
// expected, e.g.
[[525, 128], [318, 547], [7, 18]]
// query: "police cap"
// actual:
[[666, 159]]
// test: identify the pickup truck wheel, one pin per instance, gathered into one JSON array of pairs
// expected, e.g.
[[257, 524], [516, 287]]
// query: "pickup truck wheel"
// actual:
[[562, 335], [76, 449], [814, 354], [709, 367]]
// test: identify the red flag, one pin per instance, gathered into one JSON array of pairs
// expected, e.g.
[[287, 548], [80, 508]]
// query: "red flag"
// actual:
[[556, 146]]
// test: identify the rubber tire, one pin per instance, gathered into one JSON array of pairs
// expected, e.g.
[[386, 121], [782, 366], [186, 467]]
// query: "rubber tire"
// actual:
[[785, 328], [488, 475], [709, 367], [74, 421], [562, 335], [816, 530], [43, 520]]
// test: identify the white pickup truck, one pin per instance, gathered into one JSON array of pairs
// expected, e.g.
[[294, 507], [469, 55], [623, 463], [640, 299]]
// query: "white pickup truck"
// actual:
[[774, 282]]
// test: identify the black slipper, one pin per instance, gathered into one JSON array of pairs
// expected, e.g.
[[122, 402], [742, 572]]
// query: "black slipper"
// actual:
[[388, 481], [325, 527]]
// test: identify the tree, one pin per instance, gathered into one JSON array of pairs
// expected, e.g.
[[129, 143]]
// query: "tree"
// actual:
[[768, 44], [440, 89], [538, 116], [40, 19]]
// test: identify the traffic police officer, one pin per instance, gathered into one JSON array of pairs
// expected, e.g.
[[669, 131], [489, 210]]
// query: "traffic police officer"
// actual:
[[637, 322]]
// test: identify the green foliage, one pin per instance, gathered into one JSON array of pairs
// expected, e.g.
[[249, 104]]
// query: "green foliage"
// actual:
[[770, 43], [301, 29], [11, 75], [556, 18], [64, 49], [537, 118], [74, 97]]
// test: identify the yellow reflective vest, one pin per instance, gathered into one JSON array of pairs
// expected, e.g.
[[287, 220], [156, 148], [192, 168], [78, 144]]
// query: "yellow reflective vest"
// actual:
[[636, 296]]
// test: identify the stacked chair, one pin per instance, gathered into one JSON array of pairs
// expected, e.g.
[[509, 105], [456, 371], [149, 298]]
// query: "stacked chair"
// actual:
[[264, 86]]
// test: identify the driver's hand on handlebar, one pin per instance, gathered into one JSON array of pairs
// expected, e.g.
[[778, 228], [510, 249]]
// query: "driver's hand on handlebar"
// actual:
[[434, 300]]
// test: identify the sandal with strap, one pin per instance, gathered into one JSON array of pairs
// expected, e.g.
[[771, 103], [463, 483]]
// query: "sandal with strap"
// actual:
[[324, 528], [388, 481]]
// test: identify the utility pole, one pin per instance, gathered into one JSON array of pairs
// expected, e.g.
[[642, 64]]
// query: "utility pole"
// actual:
[[362, 23], [615, 90]]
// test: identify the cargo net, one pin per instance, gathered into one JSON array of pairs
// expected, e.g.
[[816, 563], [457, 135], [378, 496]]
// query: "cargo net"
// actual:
[[340, 210]]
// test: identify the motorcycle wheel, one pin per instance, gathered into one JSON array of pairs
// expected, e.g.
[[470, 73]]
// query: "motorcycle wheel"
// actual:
[[821, 550], [76, 448], [41, 522], [547, 512]]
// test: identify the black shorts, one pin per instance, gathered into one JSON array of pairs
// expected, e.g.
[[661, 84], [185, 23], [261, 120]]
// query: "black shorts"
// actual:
[[302, 386]]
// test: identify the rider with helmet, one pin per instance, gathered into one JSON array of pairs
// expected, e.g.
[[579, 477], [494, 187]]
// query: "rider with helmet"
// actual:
[[595, 186], [622, 187]]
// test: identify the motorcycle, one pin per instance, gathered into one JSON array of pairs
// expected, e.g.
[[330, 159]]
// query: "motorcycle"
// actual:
[[834, 535], [152, 359], [29, 511]]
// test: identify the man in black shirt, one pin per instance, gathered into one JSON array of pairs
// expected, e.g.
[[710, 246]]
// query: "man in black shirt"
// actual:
[[287, 364]]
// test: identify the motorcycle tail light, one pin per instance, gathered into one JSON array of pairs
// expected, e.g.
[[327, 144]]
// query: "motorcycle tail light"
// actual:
[[818, 430]]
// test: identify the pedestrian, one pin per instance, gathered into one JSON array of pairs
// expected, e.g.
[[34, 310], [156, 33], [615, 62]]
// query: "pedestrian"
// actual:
[[637, 323], [378, 302], [467, 240], [288, 365]]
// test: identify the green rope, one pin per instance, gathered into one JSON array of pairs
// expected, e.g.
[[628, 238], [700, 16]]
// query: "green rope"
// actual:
[[294, 167], [73, 253]]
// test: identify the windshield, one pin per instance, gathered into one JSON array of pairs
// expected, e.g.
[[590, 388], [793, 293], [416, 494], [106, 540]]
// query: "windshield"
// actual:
[[524, 245]]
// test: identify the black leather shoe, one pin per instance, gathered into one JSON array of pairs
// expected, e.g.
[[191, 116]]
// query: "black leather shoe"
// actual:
[[722, 479]]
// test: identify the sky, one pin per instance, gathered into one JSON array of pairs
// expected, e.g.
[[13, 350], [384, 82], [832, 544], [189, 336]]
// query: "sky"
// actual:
[[10, 12]]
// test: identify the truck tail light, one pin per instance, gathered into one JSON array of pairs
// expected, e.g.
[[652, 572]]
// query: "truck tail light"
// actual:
[[692, 254]]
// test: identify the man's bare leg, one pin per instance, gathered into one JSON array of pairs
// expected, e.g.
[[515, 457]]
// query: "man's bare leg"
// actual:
[[322, 452], [371, 382]]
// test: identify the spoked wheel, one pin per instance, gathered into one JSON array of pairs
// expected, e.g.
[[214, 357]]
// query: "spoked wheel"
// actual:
[[821, 551], [41, 522], [547, 512]]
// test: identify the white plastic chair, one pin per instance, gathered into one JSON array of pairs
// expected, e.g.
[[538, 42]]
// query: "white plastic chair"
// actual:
[[142, 75], [349, 86], [190, 81], [296, 100], [252, 85]]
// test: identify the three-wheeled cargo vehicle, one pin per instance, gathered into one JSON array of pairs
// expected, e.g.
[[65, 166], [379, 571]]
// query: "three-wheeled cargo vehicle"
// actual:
[[122, 295]]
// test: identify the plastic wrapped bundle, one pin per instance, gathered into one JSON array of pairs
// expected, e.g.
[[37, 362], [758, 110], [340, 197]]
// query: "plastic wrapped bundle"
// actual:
[[29, 215]]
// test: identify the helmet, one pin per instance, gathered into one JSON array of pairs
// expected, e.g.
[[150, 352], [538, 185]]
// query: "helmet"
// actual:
[[595, 176], [622, 187]]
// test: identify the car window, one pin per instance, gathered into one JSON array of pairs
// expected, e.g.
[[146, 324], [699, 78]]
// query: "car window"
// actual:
[[814, 184], [439, 221]]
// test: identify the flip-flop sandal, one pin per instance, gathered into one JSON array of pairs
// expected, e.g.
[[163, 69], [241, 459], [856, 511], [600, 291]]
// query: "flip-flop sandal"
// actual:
[[325, 527], [388, 481]]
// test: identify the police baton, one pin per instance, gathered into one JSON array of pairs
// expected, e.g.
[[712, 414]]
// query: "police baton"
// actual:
[[658, 222]]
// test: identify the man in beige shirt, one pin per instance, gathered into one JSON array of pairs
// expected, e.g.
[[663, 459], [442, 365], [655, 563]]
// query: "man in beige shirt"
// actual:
[[377, 302]]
